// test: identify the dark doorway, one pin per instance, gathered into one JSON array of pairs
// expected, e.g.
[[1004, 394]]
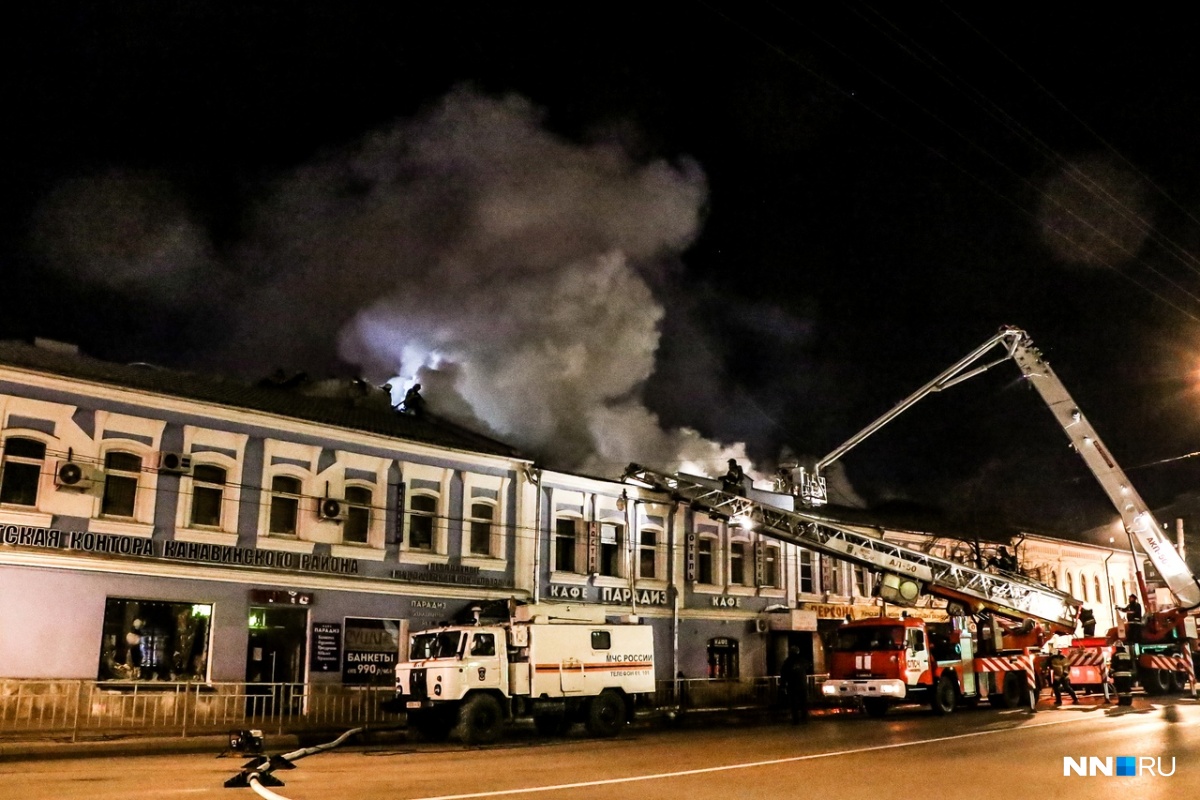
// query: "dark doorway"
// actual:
[[275, 653]]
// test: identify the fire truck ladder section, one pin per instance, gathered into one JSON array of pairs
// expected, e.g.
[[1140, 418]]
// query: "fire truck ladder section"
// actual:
[[907, 573], [1015, 344]]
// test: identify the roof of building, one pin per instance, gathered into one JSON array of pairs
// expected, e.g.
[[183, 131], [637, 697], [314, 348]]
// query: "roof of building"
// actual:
[[353, 405]]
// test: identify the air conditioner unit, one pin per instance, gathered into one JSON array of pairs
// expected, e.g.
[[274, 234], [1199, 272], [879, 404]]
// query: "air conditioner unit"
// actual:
[[175, 463], [332, 509], [78, 477]]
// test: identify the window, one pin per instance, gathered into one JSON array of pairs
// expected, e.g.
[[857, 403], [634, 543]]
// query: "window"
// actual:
[[704, 559], [612, 535], [601, 640], [1070, 585], [723, 662], [482, 517], [1083, 587], [422, 511], [147, 639], [831, 575], [647, 553], [1124, 589], [1096, 586], [121, 473], [771, 566], [20, 471], [1054, 578], [566, 540], [285, 505], [357, 527], [808, 578], [484, 644], [737, 563], [860, 580], [208, 492]]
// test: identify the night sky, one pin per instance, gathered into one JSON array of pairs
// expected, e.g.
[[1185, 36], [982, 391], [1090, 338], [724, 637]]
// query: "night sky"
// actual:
[[585, 228]]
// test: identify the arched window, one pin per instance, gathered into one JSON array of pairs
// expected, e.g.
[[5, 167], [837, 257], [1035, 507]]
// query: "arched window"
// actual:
[[121, 474], [1070, 585], [20, 470], [1054, 578], [1096, 585], [1083, 588], [285, 505], [357, 527], [208, 494], [422, 513], [481, 522]]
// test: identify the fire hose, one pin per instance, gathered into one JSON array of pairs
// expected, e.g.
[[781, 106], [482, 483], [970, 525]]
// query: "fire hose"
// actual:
[[258, 772]]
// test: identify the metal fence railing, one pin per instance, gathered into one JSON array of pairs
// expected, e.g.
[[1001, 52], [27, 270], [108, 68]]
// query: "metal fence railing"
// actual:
[[89, 708]]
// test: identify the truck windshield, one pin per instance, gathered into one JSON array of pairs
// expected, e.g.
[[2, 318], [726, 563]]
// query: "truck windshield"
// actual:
[[859, 639], [443, 644]]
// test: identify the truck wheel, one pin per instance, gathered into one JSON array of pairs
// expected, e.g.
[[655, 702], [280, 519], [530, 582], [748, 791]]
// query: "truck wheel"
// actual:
[[480, 720], [875, 706], [945, 696], [1015, 688], [552, 724], [433, 725], [1157, 681], [606, 714]]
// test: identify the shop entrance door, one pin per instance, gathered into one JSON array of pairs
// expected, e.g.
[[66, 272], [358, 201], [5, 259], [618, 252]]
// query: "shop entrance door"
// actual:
[[275, 653]]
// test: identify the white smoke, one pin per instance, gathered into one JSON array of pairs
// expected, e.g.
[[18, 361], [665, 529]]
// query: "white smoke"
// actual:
[[1095, 213]]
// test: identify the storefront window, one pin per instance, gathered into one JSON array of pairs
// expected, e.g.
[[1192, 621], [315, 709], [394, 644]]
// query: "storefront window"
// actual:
[[723, 662], [153, 640]]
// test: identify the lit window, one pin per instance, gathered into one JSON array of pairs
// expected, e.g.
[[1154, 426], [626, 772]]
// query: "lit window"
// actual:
[[357, 527], [152, 640], [208, 491], [285, 505], [482, 516], [20, 471], [121, 473], [422, 510]]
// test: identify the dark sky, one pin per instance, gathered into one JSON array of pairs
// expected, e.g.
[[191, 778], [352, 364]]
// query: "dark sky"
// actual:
[[804, 214]]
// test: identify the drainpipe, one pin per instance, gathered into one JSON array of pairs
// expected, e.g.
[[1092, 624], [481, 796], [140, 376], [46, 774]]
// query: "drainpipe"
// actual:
[[534, 476]]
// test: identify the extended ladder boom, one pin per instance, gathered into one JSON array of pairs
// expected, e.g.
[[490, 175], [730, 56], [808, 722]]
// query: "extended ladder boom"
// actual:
[[1135, 514], [908, 573]]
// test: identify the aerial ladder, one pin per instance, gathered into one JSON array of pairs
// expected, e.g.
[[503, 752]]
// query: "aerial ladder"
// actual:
[[1164, 629], [906, 574], [1015, 614]]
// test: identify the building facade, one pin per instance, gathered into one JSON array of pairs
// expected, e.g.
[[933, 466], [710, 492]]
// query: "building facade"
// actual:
[[157, 526]]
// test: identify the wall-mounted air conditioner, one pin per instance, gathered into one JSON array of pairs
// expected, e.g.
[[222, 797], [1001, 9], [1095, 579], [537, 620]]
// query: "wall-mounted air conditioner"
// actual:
[[77, 477], [332, 510], [175, 463]]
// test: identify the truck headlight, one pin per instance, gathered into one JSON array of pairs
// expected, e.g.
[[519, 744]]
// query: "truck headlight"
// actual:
[[828, 688]]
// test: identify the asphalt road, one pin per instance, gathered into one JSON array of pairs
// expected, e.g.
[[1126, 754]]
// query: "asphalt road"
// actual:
[[976, 754]]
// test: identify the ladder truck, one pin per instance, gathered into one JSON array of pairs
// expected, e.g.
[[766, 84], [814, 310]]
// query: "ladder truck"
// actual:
[[990, 649], [1161, 645]]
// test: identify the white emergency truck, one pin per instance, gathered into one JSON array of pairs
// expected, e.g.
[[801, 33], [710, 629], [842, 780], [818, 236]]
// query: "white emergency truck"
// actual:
[[558, 664]]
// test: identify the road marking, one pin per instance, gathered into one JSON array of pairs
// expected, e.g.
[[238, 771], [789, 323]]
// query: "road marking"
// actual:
[[753, 764]]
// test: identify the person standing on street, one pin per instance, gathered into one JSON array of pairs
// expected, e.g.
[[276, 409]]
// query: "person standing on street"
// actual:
[[1060, 675], [793, 682]]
